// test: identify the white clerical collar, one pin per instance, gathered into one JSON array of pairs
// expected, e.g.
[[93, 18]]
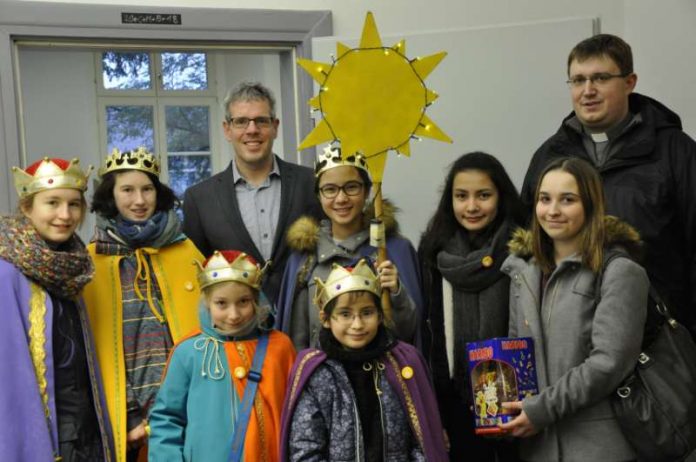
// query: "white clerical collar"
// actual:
[[599, 137]]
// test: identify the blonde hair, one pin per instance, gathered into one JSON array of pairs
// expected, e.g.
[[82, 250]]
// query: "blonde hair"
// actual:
[[262, 310], [592, 234]]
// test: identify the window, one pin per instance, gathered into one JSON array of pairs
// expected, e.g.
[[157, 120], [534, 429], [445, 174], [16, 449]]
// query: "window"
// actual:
[[163, 101]]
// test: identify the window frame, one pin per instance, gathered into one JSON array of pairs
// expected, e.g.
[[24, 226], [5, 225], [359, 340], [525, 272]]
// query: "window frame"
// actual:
[[157, 88]]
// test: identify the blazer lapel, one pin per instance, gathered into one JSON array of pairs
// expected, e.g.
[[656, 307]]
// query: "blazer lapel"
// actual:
[[287, 192]]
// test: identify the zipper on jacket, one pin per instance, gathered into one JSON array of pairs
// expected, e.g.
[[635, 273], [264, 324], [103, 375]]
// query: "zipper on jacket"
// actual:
[[377, 369], [358, 430]]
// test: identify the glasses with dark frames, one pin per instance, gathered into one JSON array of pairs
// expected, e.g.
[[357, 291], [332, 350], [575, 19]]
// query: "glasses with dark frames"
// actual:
[[243, 122], [351, 188]]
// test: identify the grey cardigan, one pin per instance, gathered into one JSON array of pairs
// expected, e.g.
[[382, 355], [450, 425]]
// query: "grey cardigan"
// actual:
[[582, 353]]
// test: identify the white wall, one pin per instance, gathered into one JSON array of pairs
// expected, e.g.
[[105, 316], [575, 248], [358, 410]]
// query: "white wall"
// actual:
[[663, 38], [662, 33]]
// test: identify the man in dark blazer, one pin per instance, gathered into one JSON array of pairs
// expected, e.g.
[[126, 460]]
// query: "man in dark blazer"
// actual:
[[249, 205]]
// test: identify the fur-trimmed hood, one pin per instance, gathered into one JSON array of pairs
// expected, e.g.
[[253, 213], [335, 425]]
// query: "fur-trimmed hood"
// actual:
[[303, 234], [618, 233]]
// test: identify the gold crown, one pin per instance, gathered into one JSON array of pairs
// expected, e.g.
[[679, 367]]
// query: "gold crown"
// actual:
[[139, 159], [332, 158], [49, 175], [218, 269], [342, 280]]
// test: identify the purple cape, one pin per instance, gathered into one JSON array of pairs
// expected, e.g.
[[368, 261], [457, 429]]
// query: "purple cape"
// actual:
[[419, 391], [26, 433]]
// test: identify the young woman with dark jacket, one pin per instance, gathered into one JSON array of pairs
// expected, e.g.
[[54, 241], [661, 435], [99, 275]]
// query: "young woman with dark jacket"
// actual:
[[461, 252]]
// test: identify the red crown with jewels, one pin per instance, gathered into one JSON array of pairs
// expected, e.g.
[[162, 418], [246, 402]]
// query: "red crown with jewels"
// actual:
[[50, 174], [230, 265]]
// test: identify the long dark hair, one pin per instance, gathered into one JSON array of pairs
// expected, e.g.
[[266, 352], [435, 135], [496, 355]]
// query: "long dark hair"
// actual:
[[443, 225], [104, 204]]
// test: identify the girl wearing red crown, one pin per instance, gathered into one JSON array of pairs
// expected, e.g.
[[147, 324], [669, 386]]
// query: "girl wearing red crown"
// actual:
[[52, 405], [144, 287], [343, 187], [363, 395], [223, 392]]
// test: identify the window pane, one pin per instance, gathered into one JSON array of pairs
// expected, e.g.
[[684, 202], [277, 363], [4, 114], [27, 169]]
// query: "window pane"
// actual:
[[185, 171], [126, 71], [128, 127], [188, 129], [184, 71]]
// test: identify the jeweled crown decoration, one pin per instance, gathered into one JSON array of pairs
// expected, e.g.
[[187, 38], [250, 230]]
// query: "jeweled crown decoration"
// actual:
[[331, 158], [342, 280], [50, 174], [218, 269], [138, 159]]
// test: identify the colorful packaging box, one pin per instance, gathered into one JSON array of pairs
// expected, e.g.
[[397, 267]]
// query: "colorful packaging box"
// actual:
[[500, 369]]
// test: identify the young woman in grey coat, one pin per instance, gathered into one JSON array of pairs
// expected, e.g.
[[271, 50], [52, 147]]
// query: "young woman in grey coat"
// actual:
[[585, 343]]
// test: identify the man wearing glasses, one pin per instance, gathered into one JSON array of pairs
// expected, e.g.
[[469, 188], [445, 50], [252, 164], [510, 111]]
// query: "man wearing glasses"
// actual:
[[647, 163], [249, 205]]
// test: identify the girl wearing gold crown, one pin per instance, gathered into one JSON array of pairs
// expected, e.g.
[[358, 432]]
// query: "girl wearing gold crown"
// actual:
[[144, 287], [363, 394], [222, 396], [343, 187], [51, 402], [461, 252]]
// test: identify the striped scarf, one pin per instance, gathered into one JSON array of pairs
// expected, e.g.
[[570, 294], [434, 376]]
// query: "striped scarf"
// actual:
[[62, 272]]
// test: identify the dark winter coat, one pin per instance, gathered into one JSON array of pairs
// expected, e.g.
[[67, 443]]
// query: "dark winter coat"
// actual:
[[649, 183]]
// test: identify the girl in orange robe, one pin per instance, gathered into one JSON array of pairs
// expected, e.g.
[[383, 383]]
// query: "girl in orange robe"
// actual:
[[199, 411]]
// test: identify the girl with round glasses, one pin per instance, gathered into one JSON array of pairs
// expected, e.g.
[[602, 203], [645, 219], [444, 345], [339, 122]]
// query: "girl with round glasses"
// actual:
[[363, 395], [343, 236]]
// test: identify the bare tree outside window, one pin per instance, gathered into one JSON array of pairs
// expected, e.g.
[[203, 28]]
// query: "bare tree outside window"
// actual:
[[126, 71], [184, 134], [184, 71]]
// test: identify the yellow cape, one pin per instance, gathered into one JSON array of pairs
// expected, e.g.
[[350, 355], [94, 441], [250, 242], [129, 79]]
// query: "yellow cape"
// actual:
[[176, 277]]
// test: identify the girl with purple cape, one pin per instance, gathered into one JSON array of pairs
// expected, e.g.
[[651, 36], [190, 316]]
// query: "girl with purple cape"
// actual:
[[51, 400], [363, 395]]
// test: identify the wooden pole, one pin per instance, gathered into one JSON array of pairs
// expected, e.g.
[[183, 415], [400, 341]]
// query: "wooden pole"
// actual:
[[382, 251]]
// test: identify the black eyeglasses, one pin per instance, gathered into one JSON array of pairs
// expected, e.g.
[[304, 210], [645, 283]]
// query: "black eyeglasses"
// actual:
[[351, 188], [243, 122], [578, 81]]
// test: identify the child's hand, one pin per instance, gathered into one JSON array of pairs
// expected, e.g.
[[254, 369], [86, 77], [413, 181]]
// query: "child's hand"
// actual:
[[388, 276], [137, 437], [520, 426]]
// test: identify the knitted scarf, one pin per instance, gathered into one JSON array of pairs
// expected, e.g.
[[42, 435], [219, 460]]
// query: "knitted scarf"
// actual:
[[480, 294], [140, 233], [109, 239], [62, 272]]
